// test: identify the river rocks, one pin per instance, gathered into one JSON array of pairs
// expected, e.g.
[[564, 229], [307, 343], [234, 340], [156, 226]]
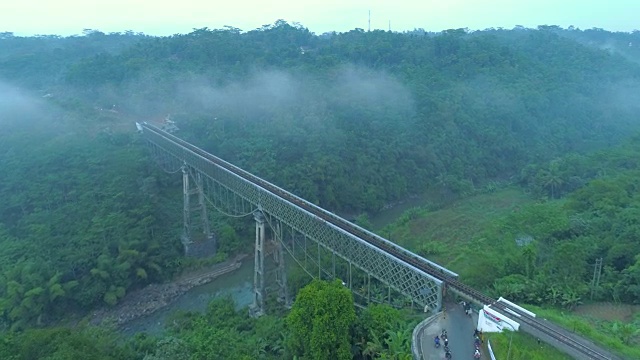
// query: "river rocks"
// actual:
[[154, 297]]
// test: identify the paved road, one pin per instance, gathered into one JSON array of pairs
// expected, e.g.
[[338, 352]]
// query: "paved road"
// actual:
[[460, 330]]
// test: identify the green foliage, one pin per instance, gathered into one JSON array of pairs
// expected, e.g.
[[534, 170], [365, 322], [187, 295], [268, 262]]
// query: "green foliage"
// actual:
[[320, 321], [224, 333], [353, 122], [543, 252], [37, 61], [363, 221], [384, 333], [620, 337], [378, 318], [543, 221], [64, 344], [169, 348], [72, 240], [523, 347]]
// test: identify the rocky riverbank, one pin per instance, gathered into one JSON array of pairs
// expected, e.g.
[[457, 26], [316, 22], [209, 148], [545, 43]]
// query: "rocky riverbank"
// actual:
[[154, 297]]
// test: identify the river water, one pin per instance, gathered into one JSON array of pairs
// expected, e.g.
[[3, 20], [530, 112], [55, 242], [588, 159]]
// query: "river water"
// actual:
[[238, 284]]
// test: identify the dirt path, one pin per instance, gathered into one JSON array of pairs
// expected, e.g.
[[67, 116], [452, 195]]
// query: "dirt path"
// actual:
[[154, 297]]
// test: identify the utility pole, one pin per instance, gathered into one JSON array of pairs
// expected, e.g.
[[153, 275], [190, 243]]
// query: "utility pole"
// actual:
[[597, 271]]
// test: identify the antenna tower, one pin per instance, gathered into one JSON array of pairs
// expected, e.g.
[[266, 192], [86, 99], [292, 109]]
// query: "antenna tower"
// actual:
[[369, 21]]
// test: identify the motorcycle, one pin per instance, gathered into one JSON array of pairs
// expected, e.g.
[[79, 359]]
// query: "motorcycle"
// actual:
[[447, 354]]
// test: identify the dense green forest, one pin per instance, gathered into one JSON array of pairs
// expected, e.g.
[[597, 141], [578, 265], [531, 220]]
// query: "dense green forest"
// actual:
[[352, 121], [454, 110], [332, 332]]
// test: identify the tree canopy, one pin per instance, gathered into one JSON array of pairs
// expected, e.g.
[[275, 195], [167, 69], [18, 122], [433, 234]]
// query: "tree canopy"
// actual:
[[320, 321], [353, 121]]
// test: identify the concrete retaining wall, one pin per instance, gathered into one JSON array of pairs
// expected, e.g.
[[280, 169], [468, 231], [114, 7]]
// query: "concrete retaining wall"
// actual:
[[416, 343]]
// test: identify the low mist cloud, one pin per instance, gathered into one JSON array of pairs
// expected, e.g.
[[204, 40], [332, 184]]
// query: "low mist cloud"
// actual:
[[25, 111], [361, 86], [261, 94], [264, 94], [17, 107], [623, 96]]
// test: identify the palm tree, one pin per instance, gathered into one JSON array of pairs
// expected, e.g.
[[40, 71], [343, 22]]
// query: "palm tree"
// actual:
[[552, 178], [373, 348], [278, 346], [398, 342], [571, 299], [553, 296], [259, 349]]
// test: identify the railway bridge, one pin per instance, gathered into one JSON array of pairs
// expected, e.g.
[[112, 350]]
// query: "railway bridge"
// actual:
[[325, 245]]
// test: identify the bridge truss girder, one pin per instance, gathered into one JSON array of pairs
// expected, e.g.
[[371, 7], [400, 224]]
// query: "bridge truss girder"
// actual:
[[413, 283]]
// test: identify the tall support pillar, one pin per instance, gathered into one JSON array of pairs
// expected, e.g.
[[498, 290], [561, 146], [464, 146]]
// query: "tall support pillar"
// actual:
[[441, 294], [281, 273], [257, 308], [186, 210], [203, 207], [194, 211]]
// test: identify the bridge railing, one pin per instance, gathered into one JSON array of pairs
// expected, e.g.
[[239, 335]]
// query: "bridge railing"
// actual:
[[298, 199], [410, 281]]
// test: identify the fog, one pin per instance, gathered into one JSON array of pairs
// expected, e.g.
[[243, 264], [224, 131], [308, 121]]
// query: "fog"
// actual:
[[288, 97], [32, 115], [623, 96], [18, 111], [18, 107]]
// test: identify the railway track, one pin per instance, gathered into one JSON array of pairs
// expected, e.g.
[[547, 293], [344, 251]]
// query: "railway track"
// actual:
[[558, 334]]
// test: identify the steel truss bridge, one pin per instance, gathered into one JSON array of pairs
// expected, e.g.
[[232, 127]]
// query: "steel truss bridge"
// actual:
[[311, 235]]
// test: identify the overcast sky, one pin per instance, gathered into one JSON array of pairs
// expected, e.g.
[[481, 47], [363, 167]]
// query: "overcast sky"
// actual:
[[167, 17]]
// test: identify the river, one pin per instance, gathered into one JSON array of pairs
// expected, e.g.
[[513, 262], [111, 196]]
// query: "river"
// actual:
[[238, 284]]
